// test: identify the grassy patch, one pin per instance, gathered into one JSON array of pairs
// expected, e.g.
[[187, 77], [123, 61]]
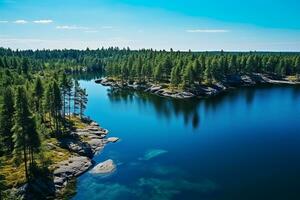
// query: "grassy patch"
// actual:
[[293, 78], [13, 175], [77, 122], [53, 153]]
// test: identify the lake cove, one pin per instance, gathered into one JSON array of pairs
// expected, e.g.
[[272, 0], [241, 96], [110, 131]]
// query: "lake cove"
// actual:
[[243, 144]]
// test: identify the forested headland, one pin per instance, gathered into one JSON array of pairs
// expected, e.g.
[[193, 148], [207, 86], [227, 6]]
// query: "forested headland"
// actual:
[[38, 92], [35, 107]]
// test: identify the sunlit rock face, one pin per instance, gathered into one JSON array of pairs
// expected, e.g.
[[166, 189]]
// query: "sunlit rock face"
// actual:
[[105, 167]]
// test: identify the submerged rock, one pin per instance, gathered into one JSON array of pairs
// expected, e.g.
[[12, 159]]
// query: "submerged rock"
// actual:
[[112, 139], [105, 167], [152, 154]]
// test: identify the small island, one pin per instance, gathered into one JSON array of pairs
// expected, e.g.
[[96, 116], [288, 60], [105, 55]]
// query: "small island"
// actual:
[[198, 74]]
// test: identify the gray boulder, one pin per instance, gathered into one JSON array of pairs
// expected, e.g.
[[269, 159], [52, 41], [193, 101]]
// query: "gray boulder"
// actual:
[[77, 146], [105, 167]]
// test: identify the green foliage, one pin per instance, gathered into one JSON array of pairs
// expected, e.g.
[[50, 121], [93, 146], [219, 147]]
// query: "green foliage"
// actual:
[[26, 138], [6, 121]]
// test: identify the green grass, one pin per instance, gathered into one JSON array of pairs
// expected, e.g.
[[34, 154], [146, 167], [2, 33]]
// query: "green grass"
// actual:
[[51, 153]]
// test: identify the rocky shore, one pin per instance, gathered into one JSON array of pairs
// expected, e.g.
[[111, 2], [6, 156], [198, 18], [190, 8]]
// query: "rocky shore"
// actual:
[[83, 144], [199, 90]]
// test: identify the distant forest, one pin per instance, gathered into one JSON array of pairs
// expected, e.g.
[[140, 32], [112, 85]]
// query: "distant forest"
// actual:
[[175, 67]]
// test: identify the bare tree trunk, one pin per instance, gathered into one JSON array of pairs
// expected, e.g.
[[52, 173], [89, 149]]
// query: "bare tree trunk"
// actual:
[[70, 106], [25, 162]]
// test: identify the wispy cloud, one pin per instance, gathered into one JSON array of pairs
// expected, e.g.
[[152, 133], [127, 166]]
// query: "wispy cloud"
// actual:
[[3, 21], [207, 31], [35, 43], [20, 21], [43, 21], [73, 27]]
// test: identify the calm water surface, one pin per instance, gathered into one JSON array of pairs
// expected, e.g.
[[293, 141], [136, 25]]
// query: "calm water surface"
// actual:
[[244, 144]]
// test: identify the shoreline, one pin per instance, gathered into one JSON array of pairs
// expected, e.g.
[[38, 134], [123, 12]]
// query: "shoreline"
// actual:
[[81, 145], [86, 142], [199, 90]]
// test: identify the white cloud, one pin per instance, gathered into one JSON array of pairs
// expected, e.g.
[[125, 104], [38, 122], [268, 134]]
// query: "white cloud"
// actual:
[[73, 27], [207, 31], [43, 21], [20, 21], [3, 21]]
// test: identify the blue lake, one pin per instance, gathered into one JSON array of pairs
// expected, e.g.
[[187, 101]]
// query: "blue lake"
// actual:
[[243, 144]]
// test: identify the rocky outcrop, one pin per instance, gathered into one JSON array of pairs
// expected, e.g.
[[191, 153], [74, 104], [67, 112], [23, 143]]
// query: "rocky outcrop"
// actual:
[[73, 167], [97, 145], [228, 82], [105, 167], [77, 146], [84, 143]]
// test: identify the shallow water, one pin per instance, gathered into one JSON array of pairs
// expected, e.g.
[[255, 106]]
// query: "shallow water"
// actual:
[[244, 144]]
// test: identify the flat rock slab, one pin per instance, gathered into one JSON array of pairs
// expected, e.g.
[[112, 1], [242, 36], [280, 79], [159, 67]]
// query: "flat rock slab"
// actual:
[[73, 167], [105, 167], [66, 170]]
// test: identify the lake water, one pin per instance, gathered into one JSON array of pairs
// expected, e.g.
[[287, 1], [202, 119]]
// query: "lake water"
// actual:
[[244, 144]]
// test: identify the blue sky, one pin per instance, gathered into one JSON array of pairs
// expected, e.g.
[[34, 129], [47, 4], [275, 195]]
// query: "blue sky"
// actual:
[[199, 25]]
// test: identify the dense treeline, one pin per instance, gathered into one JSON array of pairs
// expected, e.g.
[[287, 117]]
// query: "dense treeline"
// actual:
[[187, 69], [178, 68], [34, 106], [69, 60]]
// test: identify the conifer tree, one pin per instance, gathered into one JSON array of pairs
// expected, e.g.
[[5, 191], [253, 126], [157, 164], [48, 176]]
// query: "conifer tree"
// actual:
[[82, 101], [6, 121], [38, 94], [26, 139], [76, 97]]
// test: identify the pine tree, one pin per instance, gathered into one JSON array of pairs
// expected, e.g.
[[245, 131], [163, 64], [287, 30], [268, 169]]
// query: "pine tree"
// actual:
[[57, 105], [82, 101], [233, 68], [69, 94], [6, 121], [26, 139], [76, 97], [175, 76], [188, 77], [249, 64], [25, 66], [158, 73], [38, 94], [198, 73], [63, 87], [208, 71]]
